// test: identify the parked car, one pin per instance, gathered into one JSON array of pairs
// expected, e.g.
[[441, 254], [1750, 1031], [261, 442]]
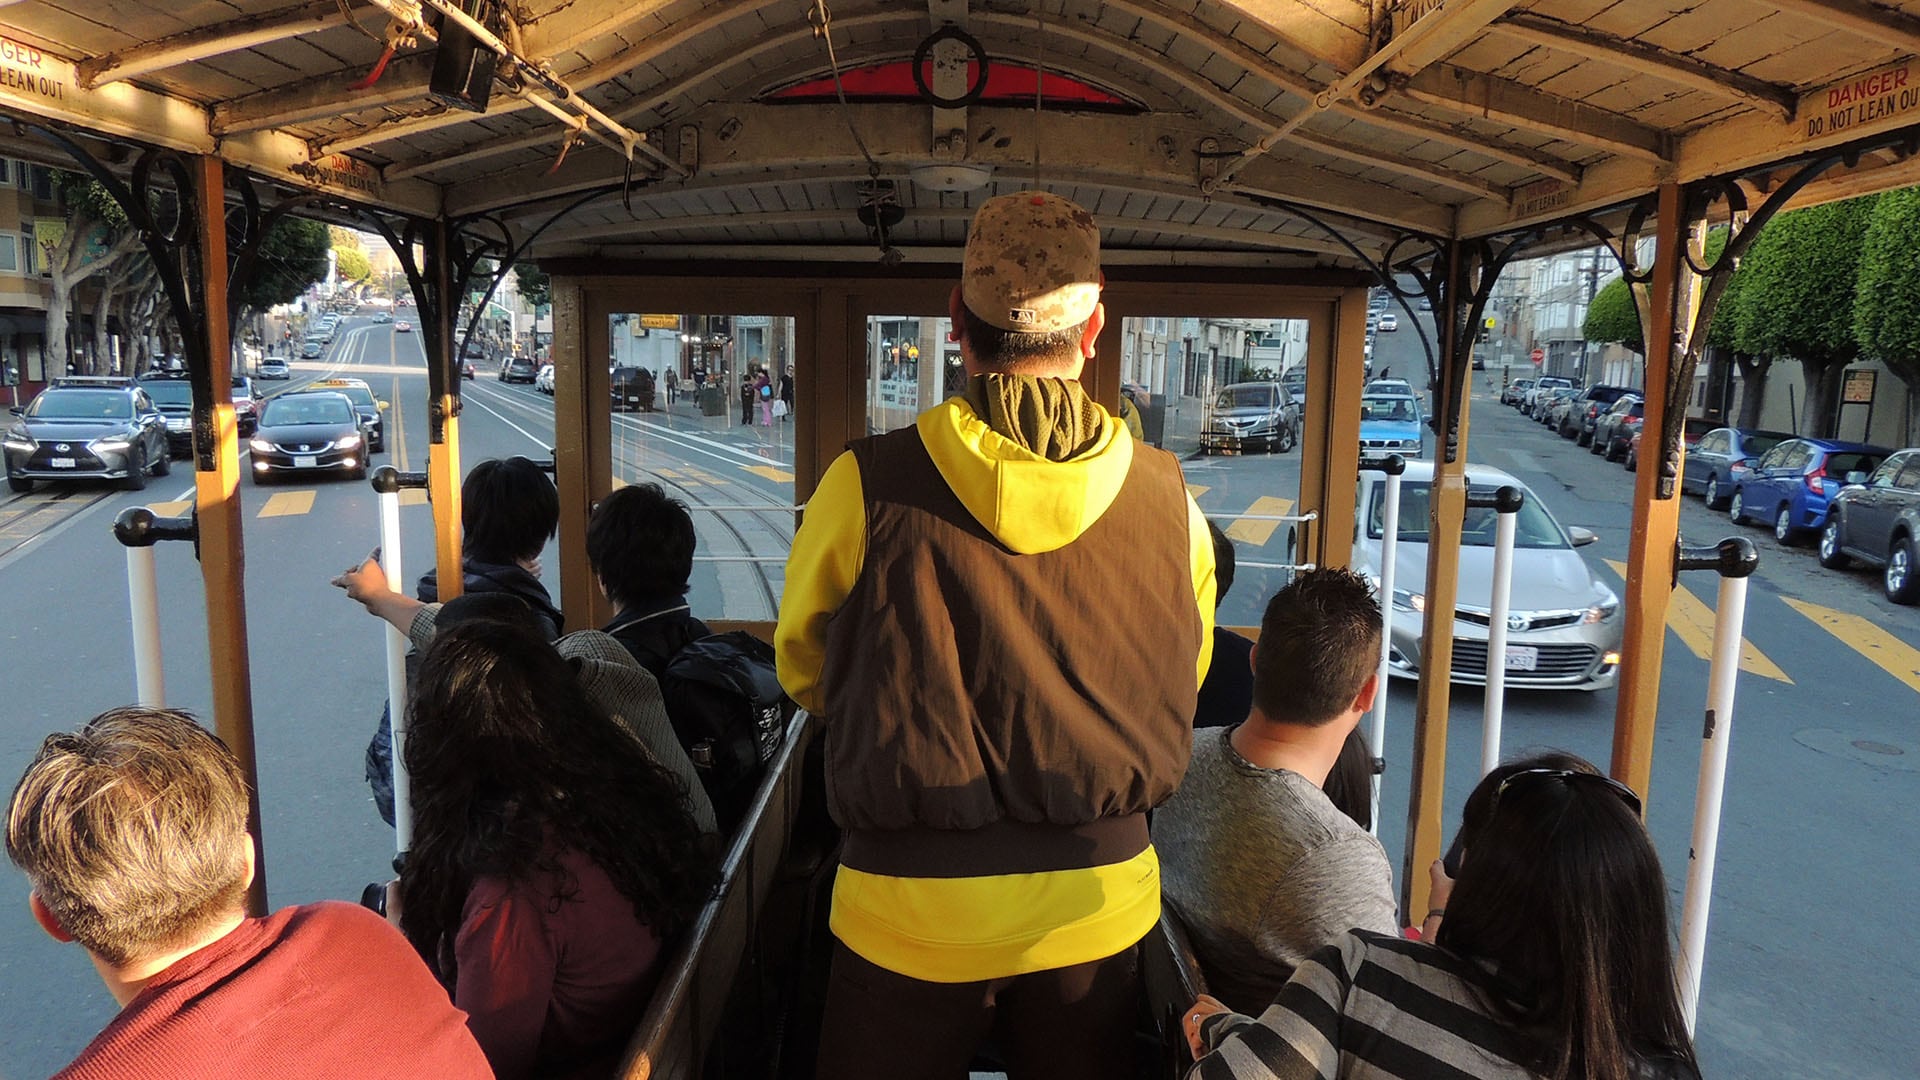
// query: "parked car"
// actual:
[[1793, 484], [1543, 405], [1586, 410], [1515, 392], [543, 382], [87, 426], [1722, 457], [173, 396], [1613, 428], [246, 407], [467, 370], [1559, 413], [312, 348], [1692, 430], [1295, 384], [1542, 387], [1251, 414], [1875, 519], [1564, 626]]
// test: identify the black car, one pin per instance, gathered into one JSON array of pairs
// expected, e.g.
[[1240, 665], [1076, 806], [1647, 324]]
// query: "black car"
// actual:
[[1614, 428], [1876, 520], [633, 389], [518, 369], [103, 428], [370, 408], [309, 431], [174, 398], [1586, 410]]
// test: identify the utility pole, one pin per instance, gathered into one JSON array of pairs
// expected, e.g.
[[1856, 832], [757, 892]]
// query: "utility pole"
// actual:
[[1593, 286]]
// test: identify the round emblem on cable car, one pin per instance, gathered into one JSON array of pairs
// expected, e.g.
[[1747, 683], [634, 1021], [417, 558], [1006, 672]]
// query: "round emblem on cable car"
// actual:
[[1518, 622]]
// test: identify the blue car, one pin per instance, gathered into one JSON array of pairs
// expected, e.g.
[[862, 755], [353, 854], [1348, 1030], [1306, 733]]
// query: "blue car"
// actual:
[[1723, 455], [1390, 424], [1792, 485]]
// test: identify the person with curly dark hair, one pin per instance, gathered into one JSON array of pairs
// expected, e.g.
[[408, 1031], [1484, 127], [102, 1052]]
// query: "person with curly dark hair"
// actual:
[[552, 859]]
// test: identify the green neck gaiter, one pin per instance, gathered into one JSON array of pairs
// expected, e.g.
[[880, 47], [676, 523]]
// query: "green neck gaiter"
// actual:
[[1052, 417]]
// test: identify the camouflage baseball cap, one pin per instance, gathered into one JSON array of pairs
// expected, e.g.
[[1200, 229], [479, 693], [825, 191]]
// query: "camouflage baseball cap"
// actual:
[[1032, 264]]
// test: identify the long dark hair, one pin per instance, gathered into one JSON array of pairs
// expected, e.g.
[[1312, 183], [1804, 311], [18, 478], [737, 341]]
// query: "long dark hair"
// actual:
[[1560, 891], [512, 762]]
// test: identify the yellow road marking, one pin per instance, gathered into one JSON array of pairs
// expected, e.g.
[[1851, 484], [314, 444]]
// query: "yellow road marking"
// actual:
[[287, 504], [413, 496], [1889, 653], [618, 483], [777, 475], [701, 475], [671, 474], [1259, 532], [171, 509], [1197, 490], [1692, 621]]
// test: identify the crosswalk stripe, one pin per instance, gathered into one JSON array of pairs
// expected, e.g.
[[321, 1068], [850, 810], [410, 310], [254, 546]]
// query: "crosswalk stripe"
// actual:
[[781, 476], [413, 496], [1258, 533], [287, 504], [171, 509], [1889, 653], [1197, 490], [1692, 621]]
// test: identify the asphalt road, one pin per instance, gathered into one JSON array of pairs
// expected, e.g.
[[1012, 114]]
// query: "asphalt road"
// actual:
[[1820, 822]]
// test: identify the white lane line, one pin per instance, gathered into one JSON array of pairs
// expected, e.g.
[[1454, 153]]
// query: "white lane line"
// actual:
[[696, 443], [537, 440]]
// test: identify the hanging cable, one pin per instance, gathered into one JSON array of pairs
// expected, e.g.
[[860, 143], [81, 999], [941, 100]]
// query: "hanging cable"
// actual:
[[822, 21], [1039, 80]]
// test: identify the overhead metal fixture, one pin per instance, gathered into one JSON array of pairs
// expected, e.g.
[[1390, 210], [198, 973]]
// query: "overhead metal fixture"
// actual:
[[951, 177]]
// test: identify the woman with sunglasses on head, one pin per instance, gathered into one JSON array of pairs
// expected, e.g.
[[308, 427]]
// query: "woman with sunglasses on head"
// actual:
[[1553, 959]]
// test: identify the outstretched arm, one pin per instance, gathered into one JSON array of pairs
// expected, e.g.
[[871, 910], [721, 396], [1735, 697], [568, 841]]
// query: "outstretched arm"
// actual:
[[366, 582]]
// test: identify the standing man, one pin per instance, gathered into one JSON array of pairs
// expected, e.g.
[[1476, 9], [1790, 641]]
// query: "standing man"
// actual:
[[1002, 615]]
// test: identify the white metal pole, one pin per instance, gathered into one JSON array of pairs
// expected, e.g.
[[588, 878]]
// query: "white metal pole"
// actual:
[[143, 589], [396, 675], [1389, 552], [1497, 641], [1728, 626]]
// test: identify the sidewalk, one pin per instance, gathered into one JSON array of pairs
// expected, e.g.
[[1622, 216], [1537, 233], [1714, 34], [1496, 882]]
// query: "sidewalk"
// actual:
[[685, 416]]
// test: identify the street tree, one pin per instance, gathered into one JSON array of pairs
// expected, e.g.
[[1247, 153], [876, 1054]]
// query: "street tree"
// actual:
[[1612, 317], [97, 239], [1886, 299], [1797, 300], [535, 287], [352, 264]]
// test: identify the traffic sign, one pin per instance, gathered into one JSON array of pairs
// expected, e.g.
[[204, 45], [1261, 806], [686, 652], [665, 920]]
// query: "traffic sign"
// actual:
[[1537, 355]]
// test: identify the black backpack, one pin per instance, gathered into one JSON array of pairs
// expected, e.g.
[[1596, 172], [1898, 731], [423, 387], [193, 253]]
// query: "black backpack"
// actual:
[[724, 699]]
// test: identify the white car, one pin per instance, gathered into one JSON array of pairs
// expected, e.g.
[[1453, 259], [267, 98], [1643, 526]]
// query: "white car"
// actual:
[[1563, 628], [1389, 323], [543, 380]]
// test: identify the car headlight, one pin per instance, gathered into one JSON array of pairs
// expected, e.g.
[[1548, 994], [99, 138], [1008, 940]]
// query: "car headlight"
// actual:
[[18, 439], [261, 446], [1412, 601], [347, 442], [1603, 610], [111, 444]]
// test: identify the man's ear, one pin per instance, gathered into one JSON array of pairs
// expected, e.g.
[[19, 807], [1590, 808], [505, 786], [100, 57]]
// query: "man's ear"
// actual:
[[956, 315], [1363, 701], [47, 919], [1253, 656], [1091, 335]]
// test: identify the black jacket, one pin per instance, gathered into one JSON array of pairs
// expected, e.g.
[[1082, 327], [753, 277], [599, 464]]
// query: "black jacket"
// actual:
[[507, 578], [654, 631]]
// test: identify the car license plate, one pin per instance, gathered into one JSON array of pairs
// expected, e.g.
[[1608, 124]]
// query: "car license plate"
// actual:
[[61, 463], [1522, 657], [311, 461]]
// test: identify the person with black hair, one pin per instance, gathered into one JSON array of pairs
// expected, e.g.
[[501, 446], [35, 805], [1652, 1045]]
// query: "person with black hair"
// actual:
[[640, 543], [1226, 694], [509, 509], [1258, 861], [552, 859], [1554, 959]]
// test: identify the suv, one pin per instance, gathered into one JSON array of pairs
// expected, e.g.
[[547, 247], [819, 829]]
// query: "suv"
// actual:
[[1876, 520], [518, 369], [107, 428], [1586, 409], [1614, 428], [1251, 414], [365, 404], [173, 396]]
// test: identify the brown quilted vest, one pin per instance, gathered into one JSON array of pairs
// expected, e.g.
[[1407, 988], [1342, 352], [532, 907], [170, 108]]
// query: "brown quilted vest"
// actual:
[[969, 686]]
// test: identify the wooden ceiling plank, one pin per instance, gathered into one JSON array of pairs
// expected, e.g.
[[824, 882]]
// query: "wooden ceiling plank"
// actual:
[[1474, 94], [1870, 22], [1647, 60], [243, 32]]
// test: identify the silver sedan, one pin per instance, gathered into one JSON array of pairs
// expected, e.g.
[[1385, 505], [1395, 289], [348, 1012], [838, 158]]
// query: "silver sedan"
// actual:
[[1564, 627]]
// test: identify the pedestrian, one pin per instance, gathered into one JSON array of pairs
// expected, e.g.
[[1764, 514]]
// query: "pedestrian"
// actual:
[[673, 384], [1003, 716], [699, 379], [763, 396], [747, 379], [786, 394]]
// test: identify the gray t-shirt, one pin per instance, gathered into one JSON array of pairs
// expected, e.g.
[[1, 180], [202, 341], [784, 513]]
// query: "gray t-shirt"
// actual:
[[1264, 871]]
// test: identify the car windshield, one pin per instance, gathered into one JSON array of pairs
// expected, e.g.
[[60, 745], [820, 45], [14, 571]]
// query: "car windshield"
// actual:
[[359, 395], [82, 405], [1533, 527], [1259, 396], [242, 388], [169, 392], [317, 409], [1395, 409]]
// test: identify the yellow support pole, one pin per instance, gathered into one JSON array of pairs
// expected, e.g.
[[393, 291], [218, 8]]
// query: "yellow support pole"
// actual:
[[1447, 509], [443, 405], [1656, 520], [217, 497], [583, 444]]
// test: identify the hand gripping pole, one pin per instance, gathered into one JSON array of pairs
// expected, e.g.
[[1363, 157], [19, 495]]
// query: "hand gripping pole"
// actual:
[[1735, 559], [1395, 467], [138, 528], [1505, 503], [387, 482]]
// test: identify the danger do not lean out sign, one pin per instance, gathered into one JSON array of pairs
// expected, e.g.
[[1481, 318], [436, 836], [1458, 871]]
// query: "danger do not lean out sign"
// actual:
[[1867, 101]]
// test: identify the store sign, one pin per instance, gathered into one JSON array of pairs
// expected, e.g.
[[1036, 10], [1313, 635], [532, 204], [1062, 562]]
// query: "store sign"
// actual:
[[1878, 99], [660, 322]]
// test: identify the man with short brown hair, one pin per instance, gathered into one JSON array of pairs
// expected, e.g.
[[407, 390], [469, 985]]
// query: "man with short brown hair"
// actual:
[[132, 832], [1001, 615]]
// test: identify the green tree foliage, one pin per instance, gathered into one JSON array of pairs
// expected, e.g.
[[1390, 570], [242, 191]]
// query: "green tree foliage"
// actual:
[[1613, 318], [535, 287], [1886, 299], [352, 264], [1797, 300], [293, 256]]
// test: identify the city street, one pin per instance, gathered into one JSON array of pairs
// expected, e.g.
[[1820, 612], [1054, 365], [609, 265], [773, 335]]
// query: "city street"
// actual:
[[1824, 779]]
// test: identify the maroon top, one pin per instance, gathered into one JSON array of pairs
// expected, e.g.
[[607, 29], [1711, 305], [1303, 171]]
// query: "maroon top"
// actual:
[[323, 991], [553, 972]]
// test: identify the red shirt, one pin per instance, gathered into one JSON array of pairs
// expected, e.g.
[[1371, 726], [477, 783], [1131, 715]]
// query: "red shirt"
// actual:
[[320, 992], [553, 972]]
